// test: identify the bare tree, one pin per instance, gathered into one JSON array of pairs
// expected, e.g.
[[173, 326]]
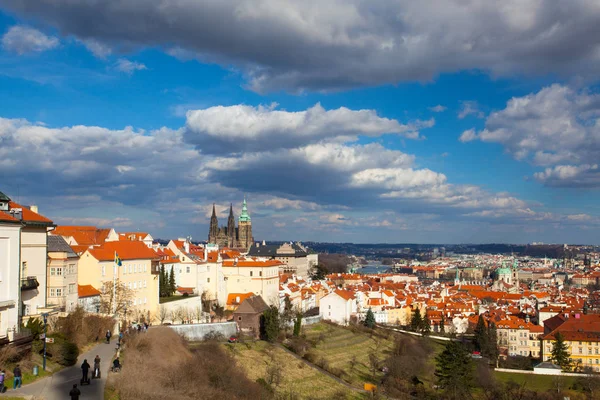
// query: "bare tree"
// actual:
[[274, 374], [353, 362], [374, 364], [163, 313], [178, 314], [198, 313], [115, 297]]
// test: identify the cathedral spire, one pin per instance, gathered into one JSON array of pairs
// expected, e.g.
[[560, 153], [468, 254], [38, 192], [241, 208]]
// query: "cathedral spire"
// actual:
[[214, 214]]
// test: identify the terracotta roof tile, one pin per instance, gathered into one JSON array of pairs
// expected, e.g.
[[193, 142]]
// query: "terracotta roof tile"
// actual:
[[87, 291]]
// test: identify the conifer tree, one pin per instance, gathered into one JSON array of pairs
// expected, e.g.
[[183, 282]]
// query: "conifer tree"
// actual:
[[481, 335], [370, 319], [560, 352], [161, 281], [271, 324], [443, 324], [172, 286], [425, 325], [454, 370], [416, 321], [492, 351]]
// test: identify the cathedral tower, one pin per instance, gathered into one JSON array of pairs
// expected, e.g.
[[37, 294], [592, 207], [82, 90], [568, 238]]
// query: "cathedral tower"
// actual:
[[231, 233], [213, 230], [245, 239]]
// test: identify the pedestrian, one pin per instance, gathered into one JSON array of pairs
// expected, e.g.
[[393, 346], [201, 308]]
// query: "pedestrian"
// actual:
[[74, 393], [97, 367], [18, 377], [120, 336], [2, 376], [85, 367], [108, 335]]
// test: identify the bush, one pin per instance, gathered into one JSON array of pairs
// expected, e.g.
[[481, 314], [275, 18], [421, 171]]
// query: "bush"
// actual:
[[63, 351], [82, 328], [214, 336]]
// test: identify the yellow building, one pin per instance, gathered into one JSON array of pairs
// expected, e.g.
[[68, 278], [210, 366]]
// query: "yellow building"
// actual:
[[139, 272], [581, 334], [62, 274]]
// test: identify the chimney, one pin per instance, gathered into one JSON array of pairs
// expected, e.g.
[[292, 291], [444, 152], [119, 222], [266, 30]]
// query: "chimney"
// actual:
[[264, 243], [34, 208], [186, 246], [237, 299]]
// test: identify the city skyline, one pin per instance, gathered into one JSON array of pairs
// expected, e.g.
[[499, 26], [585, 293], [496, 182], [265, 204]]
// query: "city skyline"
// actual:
[[346, 126]]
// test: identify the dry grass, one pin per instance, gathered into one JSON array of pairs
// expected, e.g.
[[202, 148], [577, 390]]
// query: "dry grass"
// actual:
[[298, 380], [159, 365]]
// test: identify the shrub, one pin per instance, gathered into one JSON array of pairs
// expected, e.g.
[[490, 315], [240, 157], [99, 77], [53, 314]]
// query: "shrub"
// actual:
[[63, 351], [214, 336]]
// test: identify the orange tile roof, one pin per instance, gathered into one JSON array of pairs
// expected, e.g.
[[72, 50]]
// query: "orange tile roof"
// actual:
[[6, 217], [87, 291], [251, 263], [83, 235], [232, 298], [376, 302], [127, 250], [345, 294], [582, 327], [132, 235], [28, 215]]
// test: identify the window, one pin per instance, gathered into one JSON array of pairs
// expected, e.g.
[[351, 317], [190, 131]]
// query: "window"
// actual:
[[580, 350], [260, 273], [140, 284], [145, 267], [187, 269], [208, 280], [239, 318], [135, 285], [250, 273], [72, 269], [145, 300], [104, 270], [130, 268], [144, 283], [134, 268], [72, 288]]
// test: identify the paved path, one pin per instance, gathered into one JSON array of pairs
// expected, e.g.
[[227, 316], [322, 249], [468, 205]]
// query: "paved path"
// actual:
[[57, 386]]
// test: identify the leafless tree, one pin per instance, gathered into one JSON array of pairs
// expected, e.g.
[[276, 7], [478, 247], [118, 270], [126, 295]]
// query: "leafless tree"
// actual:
[[163, 313], [115, 297]]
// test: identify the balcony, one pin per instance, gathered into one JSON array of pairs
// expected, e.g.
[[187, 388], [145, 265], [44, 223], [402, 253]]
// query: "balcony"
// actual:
[[29, 283]]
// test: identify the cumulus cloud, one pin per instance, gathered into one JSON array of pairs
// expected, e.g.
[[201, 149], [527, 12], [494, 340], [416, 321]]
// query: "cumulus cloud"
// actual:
[[129, 67], [468, 136], [470, 108], [97, 48], [439, 108], [235, 128], [22, 39], [557, 127], [340, 44]]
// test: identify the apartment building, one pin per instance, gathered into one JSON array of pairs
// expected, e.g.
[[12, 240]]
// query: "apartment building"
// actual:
[[581, 333], [10, 254], [62, 274], [518, 337], [248, 275], [139, 271]]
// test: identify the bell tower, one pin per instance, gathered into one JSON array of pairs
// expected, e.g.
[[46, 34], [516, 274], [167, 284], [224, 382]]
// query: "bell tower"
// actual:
[[245, 238], [213, 230]]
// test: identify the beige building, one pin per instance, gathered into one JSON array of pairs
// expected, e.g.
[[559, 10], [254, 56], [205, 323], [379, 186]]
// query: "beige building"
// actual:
[[139, 272], [519, 337], [294, 257], [258, 277], [62, 274]]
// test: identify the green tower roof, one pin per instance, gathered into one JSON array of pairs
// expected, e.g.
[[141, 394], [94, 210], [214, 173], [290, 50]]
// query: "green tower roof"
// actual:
[[244, 217]]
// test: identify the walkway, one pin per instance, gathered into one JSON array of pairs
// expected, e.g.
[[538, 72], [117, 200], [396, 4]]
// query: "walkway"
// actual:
[[57, 386]]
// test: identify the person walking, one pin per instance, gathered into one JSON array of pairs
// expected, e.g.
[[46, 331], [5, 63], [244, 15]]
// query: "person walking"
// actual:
[[2, 377], [96, 373], [18, 377], [85, 367], [108, 335], [74, 393]]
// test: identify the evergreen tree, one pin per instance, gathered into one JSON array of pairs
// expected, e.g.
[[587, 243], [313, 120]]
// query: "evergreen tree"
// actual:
[[492, 351], [425, 325], [298, 324], [370, 319], [415, 322], [172, 286], [560, 352], [271, 324], [161, 281], [454, 370], [481, 335], [443, 324]]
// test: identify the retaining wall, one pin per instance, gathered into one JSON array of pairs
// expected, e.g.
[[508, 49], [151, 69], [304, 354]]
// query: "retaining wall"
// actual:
[[194, 332]]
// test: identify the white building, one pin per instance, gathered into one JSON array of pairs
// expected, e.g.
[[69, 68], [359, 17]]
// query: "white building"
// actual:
[[10, 232], [338, 306]]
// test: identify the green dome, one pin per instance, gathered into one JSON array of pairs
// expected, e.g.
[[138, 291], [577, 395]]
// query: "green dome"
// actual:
[[244, 217]]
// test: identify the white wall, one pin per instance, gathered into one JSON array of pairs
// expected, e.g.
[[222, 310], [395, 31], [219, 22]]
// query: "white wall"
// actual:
[[9, 277], [335, 308], [34, 252]]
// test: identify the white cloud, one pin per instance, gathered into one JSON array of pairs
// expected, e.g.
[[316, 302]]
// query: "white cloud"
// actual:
[[240, 127], [439, 108], [22, 39], [129, 67], [557, 127], [340, 44], [468, 136], [470, 108], [97, 48]]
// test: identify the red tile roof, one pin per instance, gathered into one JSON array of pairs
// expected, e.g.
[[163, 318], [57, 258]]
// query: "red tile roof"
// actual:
[[87, 291], [28, 215], [232, 298], [127, 250], [345, 294], [83, 235]]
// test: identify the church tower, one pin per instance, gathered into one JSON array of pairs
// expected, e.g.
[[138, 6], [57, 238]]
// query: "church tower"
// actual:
[[245, 239], [231, 234], [213, 230]]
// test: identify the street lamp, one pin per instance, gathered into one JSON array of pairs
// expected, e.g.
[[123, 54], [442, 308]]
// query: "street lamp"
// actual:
[[45, 316]]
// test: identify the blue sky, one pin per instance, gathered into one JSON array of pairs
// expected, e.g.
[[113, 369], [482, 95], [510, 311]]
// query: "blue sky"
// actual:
[[359, 121]]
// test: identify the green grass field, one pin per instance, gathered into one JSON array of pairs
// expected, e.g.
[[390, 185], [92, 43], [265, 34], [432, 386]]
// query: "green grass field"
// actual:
[[539, 383], [297, 377]]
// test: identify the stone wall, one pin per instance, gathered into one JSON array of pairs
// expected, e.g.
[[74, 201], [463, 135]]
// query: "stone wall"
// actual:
[[195, 332]]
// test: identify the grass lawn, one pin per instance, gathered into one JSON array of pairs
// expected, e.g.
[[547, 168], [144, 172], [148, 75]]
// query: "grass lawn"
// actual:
[[169, 299], [298, 378], [339, 346], [28, 376], [539, 383]]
